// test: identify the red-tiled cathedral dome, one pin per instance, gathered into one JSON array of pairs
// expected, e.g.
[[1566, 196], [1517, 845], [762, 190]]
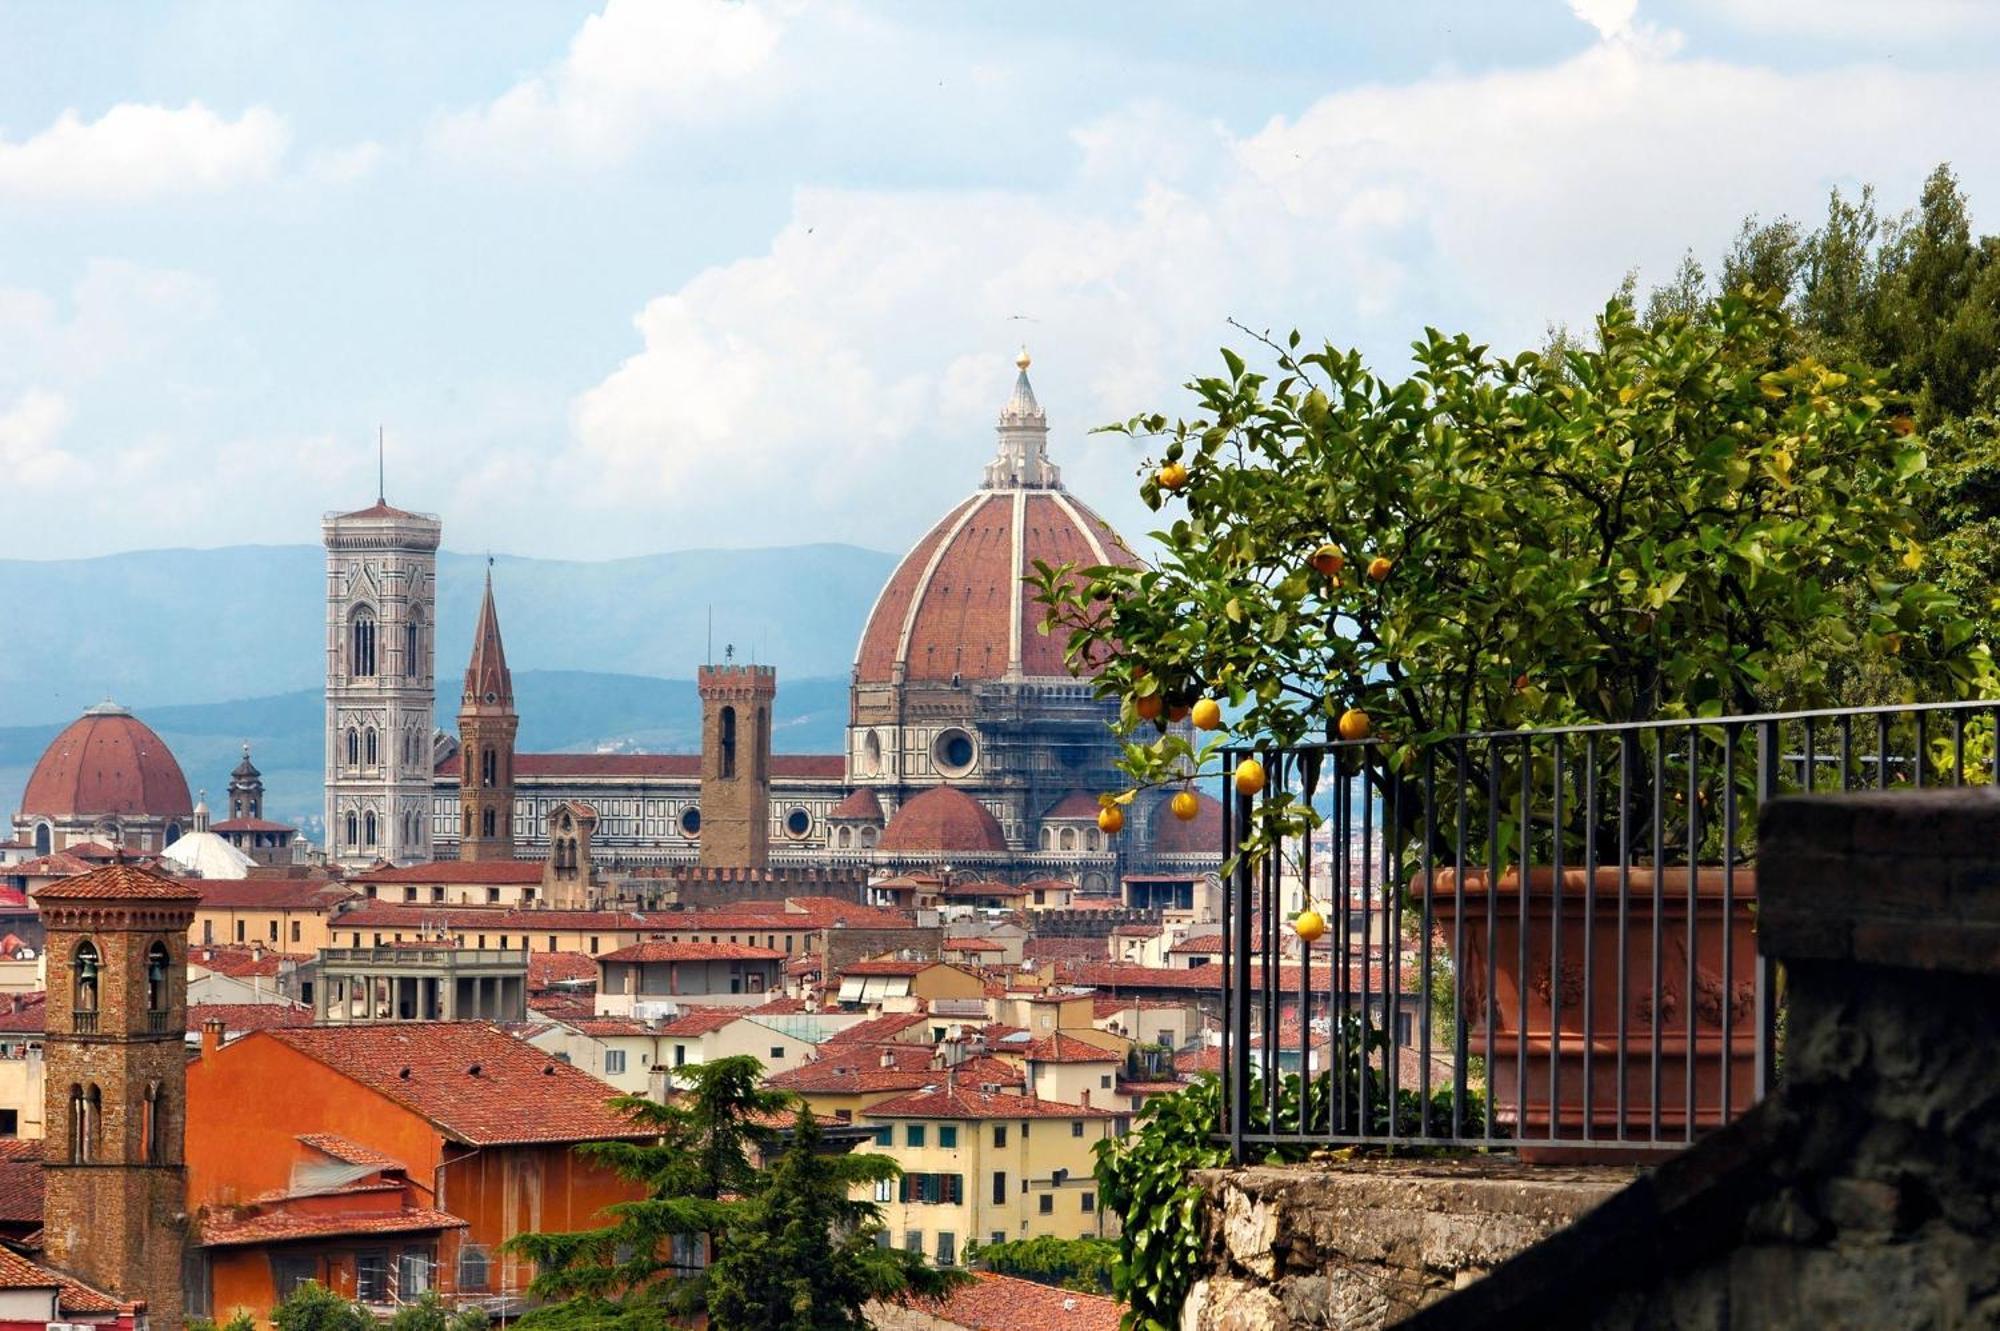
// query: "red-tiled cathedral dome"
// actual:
[[107, 761], [944, 819], [1199, 835], [956, 606]]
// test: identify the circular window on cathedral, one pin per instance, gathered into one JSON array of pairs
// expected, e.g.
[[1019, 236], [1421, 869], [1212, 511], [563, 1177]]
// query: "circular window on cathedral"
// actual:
[[691, 820], [797, 823], [953, 751], [492, 697]]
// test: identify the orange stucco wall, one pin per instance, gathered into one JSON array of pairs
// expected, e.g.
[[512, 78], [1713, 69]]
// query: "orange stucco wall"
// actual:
[[249, 1101]]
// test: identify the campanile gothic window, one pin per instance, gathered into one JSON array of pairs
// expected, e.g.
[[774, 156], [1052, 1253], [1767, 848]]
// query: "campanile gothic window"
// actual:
[[489, 768], [727, 723], [361, 645], [156, 979], [370, 744], [368, 828]]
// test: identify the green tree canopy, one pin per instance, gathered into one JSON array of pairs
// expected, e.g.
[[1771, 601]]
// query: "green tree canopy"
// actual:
[[1641, 530], [806, 1255]]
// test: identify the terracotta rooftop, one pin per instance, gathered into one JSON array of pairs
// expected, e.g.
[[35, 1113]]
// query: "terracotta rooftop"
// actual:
[[1064, 1048], [548, 969], [473, 1081], [226, 1230], [56, 864], [107, 761], [120, 882], [21, 1187], [420, 918], [1005, 1303], [954, 1098], [885, 1027], [887, 966], [974, 945], [24, 1013], [250, 825], [796, 913], [239, 1017], [944, 819], [860, 804], [241, 962], [497, 872], [348, 1151], [72, 1295], [1077, 804], [662, 952], [272, 894]]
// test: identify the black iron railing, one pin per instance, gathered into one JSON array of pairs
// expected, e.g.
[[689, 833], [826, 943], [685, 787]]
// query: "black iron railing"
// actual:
[[1538, 940]]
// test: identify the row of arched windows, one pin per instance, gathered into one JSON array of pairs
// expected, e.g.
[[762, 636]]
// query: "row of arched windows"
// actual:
[[86, 1124], [362, 656], [361, 829], [87, 968]]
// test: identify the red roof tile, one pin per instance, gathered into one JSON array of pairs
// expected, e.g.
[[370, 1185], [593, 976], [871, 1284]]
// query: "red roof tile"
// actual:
[[860, 804], [250, 825], [954, 1098], [473, 1081], [272, 894], [249, 1016], [349, 1151], [498, 872], [226, 1230], [797, 913], [21, 1190], [1005, 1303], [658, 952], [107, 761], [572, 969], [241, 962], [974, 945], [885, 1027], [423, 919], [1062, 1048], [1077, 804], [943, 818], [119, 882], [24, 1013], [73, 1296]]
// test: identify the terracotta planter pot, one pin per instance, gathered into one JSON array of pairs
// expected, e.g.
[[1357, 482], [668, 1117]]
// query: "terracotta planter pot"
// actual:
[[1572, 1018]]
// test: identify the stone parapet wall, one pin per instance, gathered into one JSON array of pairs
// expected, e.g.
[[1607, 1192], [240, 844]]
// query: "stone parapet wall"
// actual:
[[1365, 1243]]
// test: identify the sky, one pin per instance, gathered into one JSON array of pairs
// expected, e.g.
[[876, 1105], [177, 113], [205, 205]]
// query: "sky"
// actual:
[[656, 274]]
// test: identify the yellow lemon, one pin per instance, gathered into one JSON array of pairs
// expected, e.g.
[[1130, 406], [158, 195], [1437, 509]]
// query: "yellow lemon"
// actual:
[[1310, 925], [1172, 476], [1354, 724], [1111, 820], [1185, 806], [1207, 714], [1249, 777]]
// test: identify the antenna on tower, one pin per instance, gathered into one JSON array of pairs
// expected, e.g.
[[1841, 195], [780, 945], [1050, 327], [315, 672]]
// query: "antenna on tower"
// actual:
[[711, 634], [381, 468]]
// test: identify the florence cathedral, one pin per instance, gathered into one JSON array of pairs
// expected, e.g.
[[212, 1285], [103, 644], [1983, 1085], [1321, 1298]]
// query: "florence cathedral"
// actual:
[[970, 749]]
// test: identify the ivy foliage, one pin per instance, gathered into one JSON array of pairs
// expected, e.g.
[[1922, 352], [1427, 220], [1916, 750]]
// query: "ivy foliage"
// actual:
[[1147, 1176]]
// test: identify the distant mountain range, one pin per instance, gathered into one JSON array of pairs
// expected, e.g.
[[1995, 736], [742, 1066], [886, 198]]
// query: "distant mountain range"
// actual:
[[215, 647]]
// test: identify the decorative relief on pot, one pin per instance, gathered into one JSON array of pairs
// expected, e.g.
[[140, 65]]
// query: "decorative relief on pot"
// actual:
[[1708, 992], [1572, 985]]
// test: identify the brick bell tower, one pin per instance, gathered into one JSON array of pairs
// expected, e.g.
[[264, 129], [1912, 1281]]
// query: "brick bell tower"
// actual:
[[487, 723], [736, 765], [115, 1082]]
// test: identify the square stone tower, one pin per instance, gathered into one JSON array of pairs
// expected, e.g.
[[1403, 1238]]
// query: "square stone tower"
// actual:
[[736, 703], [115, 1082], [381, 615]]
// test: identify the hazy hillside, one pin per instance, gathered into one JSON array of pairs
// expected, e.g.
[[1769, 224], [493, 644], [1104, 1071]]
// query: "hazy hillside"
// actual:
[[577, 711], [162, 628]]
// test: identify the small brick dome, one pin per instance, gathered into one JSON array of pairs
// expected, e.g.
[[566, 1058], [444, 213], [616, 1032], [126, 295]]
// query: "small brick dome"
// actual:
[[107, 761], [944, 819]]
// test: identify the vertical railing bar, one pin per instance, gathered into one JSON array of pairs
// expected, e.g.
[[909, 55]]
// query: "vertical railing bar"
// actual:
[[1958, 749], [1307, 787], [1425, 998], [1521, 890], [1342, 967], [1812, 756], [1555, 943], [1625, 779], [1881, 750], [1733, 735], [1589, 929], [1269, 982], [1917, 759], [1659, 912], [1461, 1051], [1230, 850], [1239, 952], [1392, 952], [1766, 983], [1690, 994], [1367, 946], [1492, 919]]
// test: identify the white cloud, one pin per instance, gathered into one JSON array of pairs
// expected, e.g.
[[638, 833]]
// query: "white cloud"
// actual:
[[633, 67], [344, 166], [135, 152], [1611, 18], [29, 430], [843, 382]]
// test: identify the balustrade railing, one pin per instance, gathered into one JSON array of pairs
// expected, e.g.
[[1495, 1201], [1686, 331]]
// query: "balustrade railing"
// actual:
[[1535, 940]]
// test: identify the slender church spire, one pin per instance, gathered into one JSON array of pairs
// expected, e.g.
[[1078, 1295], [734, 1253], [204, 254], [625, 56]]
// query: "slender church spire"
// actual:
[[487, 679], [1022, 461]]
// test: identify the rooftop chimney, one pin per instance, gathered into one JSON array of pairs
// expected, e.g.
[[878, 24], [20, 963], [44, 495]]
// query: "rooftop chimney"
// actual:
[[211, 1036]]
